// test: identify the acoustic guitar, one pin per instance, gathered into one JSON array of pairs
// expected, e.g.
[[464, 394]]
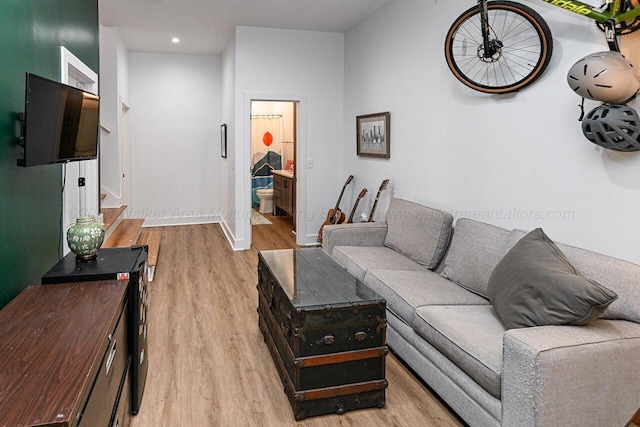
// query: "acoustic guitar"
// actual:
[[355, 205], [335, 215], [383, 187], [635, 420]]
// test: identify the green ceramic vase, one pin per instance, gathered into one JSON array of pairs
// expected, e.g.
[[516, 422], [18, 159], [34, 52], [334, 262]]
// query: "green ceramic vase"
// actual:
[[85, 237]]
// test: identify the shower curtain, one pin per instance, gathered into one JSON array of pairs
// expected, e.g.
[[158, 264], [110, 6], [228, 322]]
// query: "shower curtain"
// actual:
[[266, 152]]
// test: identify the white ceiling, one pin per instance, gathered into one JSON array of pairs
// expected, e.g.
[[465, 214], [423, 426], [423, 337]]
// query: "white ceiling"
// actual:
[[205, 26]]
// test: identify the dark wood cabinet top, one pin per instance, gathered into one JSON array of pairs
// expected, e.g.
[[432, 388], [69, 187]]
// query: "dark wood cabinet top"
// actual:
[[52, 340]]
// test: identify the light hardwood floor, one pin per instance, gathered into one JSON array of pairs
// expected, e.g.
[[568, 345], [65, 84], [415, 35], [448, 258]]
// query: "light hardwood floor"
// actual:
[[208, 364]]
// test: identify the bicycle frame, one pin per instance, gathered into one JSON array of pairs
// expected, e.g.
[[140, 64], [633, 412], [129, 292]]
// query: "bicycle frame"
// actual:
[[609, 17], [592, 12]]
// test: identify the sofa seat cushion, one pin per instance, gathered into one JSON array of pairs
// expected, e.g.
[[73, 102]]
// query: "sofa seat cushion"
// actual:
[[405, 290], [418, 232], [358, 259], [476, 248], [470, 336]]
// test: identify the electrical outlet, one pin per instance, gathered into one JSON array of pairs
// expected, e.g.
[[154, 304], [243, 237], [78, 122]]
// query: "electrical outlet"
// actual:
[[81, 182], [309, 163]]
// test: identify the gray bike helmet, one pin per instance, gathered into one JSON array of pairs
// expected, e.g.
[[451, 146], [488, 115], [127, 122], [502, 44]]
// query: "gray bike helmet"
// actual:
[[605, 77], [616, 127]]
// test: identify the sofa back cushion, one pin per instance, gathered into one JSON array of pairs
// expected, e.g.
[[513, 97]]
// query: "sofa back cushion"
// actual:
[[476, 248], [622, 277], [418, 232]]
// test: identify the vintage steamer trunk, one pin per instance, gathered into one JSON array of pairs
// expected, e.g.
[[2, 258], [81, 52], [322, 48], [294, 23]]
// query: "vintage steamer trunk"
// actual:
[[326, 333]]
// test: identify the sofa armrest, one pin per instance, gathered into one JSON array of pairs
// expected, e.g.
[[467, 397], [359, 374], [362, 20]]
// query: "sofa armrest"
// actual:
[[571, 375], [355, 234]]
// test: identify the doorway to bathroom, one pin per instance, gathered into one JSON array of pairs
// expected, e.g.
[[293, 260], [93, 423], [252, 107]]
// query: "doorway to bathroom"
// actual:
[[274, 131]]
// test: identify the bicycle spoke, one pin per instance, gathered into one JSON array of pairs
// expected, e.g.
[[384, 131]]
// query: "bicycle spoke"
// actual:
[[475, 36]]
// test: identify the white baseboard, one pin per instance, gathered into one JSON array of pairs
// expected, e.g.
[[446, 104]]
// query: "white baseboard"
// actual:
[[164, 222], [309, 240], [236, 244]]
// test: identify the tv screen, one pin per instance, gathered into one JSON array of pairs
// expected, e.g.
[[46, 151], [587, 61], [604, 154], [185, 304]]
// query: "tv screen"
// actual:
[[60, 123]]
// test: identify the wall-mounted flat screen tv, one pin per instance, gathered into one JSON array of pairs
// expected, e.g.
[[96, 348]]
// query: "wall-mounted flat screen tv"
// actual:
[[60, 123]]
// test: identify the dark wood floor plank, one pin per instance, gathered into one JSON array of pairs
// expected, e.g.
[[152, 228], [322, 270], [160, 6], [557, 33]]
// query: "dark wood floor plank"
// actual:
[[208, 363]]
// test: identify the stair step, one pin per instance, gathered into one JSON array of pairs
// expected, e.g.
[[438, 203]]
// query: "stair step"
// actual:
[[125, 235], [151, 238], [111, 216]]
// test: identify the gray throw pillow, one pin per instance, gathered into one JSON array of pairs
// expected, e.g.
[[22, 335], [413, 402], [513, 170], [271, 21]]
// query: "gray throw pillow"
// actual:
[[534, 285]]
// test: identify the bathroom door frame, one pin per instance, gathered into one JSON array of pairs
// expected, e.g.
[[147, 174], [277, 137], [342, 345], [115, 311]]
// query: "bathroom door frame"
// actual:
[[300, 227]]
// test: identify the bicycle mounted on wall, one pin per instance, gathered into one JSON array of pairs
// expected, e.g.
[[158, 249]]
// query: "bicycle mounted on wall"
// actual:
[[503, 46]]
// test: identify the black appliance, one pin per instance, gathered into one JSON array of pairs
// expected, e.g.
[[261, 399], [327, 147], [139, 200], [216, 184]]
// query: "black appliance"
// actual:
[[122, 264], [60, 123]]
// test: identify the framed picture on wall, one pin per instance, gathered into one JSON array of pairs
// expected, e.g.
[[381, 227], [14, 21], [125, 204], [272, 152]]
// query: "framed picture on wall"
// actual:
[[223, 141], [373, 135]]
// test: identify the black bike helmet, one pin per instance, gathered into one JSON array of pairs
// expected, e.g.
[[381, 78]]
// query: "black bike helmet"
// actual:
[[616, 127]]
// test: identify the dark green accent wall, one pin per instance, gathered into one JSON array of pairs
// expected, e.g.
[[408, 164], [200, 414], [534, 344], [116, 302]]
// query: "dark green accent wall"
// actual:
[[31, 33]]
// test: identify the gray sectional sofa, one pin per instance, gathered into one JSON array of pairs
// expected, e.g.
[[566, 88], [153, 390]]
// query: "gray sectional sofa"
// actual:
[[441, 322]]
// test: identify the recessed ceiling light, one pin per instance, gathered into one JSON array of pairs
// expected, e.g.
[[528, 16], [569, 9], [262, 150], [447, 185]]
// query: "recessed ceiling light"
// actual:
[[175, 40]]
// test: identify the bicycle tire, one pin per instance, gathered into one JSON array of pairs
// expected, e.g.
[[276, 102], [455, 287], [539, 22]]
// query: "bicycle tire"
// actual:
[[512, 68]]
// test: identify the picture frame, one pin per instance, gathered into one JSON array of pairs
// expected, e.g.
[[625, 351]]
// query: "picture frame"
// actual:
[[373, 133], [223, 141]]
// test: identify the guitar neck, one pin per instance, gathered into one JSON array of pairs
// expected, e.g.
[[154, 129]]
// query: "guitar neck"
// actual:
[[355, 205], [383, 186], [340, 198], [373, 208], [336, 211]]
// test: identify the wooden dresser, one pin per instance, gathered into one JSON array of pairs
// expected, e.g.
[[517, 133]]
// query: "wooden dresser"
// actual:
[[64, 358]]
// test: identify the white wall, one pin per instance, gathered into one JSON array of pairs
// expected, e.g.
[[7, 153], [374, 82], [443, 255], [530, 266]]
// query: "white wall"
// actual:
[[175, 138], [227, 166], [114, 89], [300, 66], [517, 161]]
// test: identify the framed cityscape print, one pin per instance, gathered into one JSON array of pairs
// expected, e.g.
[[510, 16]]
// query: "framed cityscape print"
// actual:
[[373, 135]]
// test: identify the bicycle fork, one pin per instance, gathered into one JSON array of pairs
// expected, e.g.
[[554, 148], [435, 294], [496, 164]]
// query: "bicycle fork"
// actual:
[[491, 49]]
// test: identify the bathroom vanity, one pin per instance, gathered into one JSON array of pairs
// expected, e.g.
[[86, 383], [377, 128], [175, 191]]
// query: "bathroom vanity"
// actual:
[[284, 192]]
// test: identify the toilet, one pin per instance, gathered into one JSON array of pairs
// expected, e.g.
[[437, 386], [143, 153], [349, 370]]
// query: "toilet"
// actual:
[[266, 200]]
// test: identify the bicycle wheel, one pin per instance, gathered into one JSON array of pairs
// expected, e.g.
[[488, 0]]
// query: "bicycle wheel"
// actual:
[[521, 41]]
